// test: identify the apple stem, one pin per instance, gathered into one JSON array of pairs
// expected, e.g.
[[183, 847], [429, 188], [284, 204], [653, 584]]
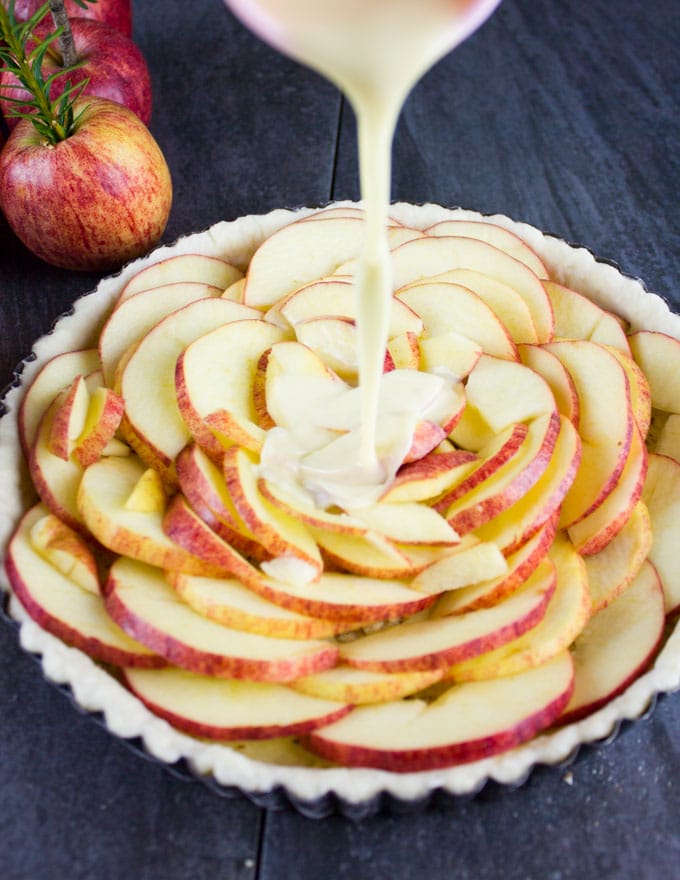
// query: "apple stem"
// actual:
[[61, 20]]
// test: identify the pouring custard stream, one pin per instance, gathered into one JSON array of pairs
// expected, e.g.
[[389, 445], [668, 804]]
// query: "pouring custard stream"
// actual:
[[375, 51]]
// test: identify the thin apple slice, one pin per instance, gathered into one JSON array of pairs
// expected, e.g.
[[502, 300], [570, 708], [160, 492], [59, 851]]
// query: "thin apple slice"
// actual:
[[359, 686], [229, 710], [438, 643], [471, 562], [180, 268], [640, 392], [282, 535], [102, 495], [57, 374], [659, 357], [661, 494], [565, 618], [104, 414], [513, 528], [143, 604], [429, 256], [605, 424], [62, 607], [546, 364], [592, 533], [458, 727], [498, 236], [428, 477], [334, 340], [617, 645], [229, 602], [368, 554], [69, 419], [404, 349], [132, 319], [520, 565], [148, 494], [444, 307], [450, 351], [66, 551], [300, 505], [506, 303], [407, 523], [577, 317], [214, 383], [153, 424]]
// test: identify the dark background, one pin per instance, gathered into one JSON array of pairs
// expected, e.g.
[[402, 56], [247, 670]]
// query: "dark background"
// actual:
[[560, 113]]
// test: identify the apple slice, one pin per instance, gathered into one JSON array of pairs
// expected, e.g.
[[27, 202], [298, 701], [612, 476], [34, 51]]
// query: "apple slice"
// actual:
[[370, 554], [640, 392], [577, 317], [564, 619], [301, 506], [520, 565], [225, 710], [445, 307], [605, 424], [659, 357], [592, 533], [63, 608], [69, 419], [132, 319], [359, 686], [611, 571], [183, 267], [148, 494], [214, 383], [458, 727], [57, 375], [449, 351], [143, 604], [617, 645], [428, 477], [282, 535], [153, 424], [407, 523], [104, 414], [104, 490], [404, 349], [513, 528], [334, 340], [438, 643], [229, 602], [471, 562], [661, 494], [65, 550], [429, 256], [498, 236], [551, 368]]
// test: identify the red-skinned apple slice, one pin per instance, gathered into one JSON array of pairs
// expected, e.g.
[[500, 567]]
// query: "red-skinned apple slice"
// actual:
[[69, 419], [64, 608], [517, 525], [640, 392], [142, 603], [183, 267], [498, 236], [132, 319], [229, 602], [66, 551], [605, 424], [470, 562], [659, 357], [611, 571], [431, 475], [153, 424], [617, 645], [369, 554], [458, 727], [451, 351], [565, 617], [102, 495], [407, 523], [551, 368], [426, 257], [577, 317], [438, 643], [359, 686], [661, 494], [301, 506], [444, 307], [227, 710], [521, 564], [404, 349], [214, 383], [148, 494], [103, 418], [54, 377]]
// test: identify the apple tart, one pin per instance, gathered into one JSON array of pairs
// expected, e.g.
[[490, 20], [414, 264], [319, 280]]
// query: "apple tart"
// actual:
[[505, 594]]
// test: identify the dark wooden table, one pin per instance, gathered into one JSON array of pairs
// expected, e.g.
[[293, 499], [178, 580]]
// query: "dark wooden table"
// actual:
[[562, 114]]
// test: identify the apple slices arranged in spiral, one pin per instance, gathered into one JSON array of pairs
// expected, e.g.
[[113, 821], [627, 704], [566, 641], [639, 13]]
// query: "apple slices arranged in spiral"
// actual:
[[511, 569]]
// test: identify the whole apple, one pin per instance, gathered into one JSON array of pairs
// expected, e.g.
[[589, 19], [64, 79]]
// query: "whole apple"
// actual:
[[113, 65], [115, 13], [93, 201]]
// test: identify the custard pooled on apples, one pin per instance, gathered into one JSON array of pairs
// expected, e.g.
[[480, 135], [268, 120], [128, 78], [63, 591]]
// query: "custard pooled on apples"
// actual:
[[207, 524]]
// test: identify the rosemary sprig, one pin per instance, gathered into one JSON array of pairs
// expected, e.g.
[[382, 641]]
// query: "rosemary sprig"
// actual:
[[23, 54]]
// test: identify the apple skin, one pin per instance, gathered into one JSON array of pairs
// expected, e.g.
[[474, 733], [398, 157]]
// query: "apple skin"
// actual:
[[112, 64], [116, 13], [93, 201]]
